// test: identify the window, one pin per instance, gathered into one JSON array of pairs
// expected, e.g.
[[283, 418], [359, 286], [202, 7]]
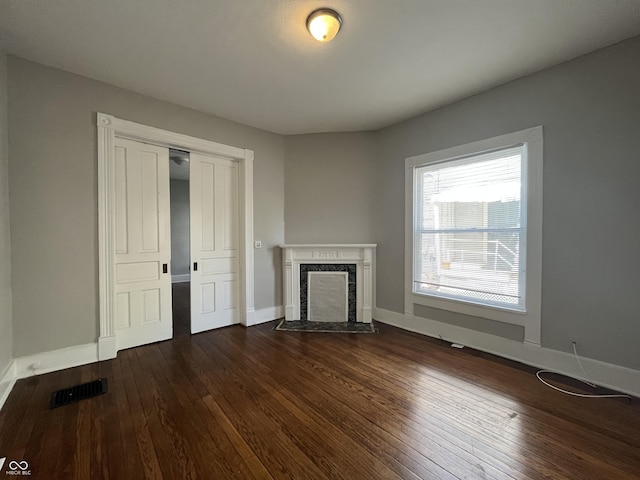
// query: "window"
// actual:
[[469, 226], [474, 225]]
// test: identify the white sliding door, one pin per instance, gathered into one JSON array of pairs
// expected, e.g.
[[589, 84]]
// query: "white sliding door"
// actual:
[[142, 244], [214, 242]]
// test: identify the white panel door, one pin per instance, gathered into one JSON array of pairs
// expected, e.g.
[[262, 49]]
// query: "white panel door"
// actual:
[[143, 244], [214, 242]]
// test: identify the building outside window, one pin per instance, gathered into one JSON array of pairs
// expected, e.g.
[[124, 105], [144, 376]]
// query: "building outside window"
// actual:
[[470, 228]]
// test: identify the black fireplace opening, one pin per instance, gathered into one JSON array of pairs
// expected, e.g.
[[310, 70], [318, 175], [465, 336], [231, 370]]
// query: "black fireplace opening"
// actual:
[[350, 268]]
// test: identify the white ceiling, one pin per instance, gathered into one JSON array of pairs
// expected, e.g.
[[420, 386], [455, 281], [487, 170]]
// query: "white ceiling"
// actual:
[[252, 61]]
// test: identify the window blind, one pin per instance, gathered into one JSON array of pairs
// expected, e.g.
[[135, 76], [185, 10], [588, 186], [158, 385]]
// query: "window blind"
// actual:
[[470, 228]]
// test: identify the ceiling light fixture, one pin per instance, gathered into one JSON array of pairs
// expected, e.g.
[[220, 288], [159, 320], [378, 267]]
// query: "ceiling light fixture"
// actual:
[[178, 156], [324, 24]]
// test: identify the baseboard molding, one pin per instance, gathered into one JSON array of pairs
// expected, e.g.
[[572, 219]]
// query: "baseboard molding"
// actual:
[[107, 348], [7, 381], [23, 367], [607, 375], [56, 360], [267, 315], [185, 277]]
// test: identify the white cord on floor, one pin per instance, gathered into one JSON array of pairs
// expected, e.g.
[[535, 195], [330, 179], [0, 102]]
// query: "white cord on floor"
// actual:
[[575, 352], [582, 395]]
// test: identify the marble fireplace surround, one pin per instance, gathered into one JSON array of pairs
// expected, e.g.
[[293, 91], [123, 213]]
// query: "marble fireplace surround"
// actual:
[[362, 256]]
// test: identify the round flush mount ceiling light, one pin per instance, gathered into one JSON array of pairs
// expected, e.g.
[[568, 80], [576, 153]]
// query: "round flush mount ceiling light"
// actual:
[[324, 24]]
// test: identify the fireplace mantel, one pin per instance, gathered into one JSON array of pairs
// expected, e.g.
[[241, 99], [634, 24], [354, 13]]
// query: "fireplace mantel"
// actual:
[[360, 255]]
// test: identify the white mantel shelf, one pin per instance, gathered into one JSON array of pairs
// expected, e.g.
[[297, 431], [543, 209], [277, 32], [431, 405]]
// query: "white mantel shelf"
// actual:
[[362, 255], [329, 245]]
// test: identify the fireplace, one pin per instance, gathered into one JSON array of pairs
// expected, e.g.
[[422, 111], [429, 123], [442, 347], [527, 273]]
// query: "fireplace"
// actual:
[[329, 283], [328, 292]]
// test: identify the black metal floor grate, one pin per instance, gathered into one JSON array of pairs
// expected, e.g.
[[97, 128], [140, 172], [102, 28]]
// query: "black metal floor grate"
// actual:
[[79, 392]]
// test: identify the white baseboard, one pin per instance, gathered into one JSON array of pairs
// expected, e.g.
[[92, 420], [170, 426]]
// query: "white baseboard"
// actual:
[[39, 363], [185, 277], [607, 375], [267, 314], [7, 381], [107, 348], [56, 360]]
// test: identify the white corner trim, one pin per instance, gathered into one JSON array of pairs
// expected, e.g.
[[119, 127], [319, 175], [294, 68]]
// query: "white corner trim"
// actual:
[[185, 277], [607, 375], [267, 314], [107, 347], [249, 318], [246, 238], [7, 381], [56, 360]]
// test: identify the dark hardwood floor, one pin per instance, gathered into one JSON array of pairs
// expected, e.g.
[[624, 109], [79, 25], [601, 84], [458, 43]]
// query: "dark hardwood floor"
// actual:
[[181, 309], [256, 403]]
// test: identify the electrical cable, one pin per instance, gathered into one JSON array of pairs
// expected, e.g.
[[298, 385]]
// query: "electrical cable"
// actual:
[[575, 352], [582, 395]]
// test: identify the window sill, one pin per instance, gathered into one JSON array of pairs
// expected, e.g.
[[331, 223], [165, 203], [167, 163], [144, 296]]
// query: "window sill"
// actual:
[[499, 314]]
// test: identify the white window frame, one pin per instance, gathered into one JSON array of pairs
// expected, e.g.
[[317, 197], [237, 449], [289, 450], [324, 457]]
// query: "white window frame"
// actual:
[[530, 318]]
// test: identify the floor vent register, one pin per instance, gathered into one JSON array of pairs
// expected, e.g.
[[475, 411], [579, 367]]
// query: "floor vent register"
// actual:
[[78, 392]]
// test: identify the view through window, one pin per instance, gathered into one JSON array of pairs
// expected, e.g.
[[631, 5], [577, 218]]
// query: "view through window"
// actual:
[[470, 228]]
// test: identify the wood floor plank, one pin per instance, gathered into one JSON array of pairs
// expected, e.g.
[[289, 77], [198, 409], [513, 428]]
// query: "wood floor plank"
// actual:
[[355, 421], [256, 403], [261, 432], [99, 463], [169, 467], [484, 409], [501, 370], [315, 438], [256, 468], [215, 451], [553, 427], [17, 418], [166, 435], [82, 448], [48, 456], [456, 463], [146, 448], [68, 440]]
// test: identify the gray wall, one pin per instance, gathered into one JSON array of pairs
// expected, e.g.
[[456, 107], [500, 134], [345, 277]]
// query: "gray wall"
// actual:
[[590, 110], [54, 197], [329, 183], [343, 188], [6, 335], [180, 258]]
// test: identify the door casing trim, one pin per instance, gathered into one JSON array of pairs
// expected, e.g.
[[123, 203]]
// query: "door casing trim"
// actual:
[[110, 127]]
